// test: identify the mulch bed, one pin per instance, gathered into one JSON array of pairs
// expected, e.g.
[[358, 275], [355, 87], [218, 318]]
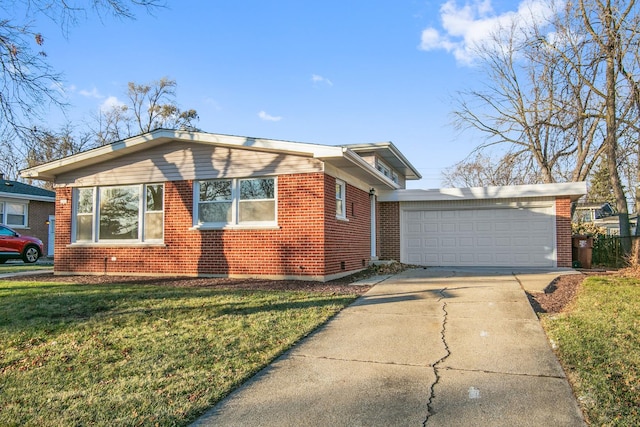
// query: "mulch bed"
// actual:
[[560, 292], [338, 287]]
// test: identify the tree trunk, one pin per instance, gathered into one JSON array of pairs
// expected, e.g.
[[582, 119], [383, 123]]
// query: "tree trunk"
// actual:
[[611, 140]]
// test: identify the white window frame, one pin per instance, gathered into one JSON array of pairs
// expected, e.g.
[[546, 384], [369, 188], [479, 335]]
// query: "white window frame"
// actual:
[[95, 216], [341, 196], [235, 201], [4, 213], [386, 170]]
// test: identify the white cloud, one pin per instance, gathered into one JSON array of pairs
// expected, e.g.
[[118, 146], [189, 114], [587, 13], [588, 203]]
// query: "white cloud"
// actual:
[[111, 102], [316, 79], [474, 23], [93, 93], [212, 103], [269, 118]]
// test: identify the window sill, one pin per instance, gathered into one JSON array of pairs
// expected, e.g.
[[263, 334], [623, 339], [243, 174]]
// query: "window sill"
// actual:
[[204, 227], [342, 218], [116, 245]]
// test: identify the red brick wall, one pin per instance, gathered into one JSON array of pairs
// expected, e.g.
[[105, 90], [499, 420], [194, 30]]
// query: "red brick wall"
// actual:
[[563, 231], [389, 230], [38, 217], [348, 241], [306, 218]]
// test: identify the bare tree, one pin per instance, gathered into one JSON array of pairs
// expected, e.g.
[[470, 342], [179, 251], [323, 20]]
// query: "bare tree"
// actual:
[[565, 91], [533, 104], [150, 106], [45, 145], [613, 29], [28, 84], [482, 171]]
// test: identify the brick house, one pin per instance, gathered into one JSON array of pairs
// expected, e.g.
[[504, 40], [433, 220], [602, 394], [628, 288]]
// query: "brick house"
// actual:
[[27, 209], [199, 204]]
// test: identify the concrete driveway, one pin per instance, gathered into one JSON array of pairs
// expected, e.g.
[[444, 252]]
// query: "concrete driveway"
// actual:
[[433, 347]]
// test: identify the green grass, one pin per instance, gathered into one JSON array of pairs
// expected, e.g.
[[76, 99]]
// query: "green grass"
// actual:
[[136, 354], [13, 266], [598, 342]]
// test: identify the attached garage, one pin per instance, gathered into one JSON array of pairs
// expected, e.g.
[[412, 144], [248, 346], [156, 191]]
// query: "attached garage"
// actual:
[[471, 235], [515, 226]]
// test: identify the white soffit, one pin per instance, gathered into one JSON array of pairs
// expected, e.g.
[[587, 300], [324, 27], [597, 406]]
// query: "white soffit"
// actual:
[[574, 190]]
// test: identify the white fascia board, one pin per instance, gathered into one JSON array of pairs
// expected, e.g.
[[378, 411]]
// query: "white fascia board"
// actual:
[[393, 149], [375, 173], [16, 196], [260, 144], [48, 171], [574, 190]]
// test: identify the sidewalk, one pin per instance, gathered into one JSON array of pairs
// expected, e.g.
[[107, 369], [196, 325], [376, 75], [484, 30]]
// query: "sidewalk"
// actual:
[[432, 347]]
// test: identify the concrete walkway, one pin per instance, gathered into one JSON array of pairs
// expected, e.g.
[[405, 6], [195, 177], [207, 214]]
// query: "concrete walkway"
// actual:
[[432, 347]]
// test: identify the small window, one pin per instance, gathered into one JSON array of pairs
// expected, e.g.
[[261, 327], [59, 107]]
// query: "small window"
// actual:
[[257, 200], [215, 202], [386, 171], [154, 212], [340, 199], [13, 214], [84, 215]]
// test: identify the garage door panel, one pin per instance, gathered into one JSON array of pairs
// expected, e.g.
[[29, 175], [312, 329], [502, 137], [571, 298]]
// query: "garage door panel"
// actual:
[[449, 242], [430, 242], [413, 216], [449, 257], [414, 243], [416, 258], [484, 241], [466, 242], [482, 227], [480, 237], [465, 227], [466, 258], [447, 227], [414, 228], [485, 258], [503, 226]]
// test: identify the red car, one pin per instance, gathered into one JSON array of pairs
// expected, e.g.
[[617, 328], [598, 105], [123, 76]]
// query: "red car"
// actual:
[[15, 246]]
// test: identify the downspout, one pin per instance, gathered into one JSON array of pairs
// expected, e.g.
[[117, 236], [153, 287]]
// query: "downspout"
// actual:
[[374, 229]]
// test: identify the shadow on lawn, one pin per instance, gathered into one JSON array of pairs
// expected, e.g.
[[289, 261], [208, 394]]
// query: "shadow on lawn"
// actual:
[[60, 304]]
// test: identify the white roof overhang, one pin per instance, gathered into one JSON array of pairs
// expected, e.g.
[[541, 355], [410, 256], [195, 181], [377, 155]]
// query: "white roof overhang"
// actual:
[[338, 156], [574, 190], [18, 196], [390, 155]]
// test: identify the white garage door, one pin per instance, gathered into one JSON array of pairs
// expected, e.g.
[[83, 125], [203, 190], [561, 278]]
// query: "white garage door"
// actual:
[[491, 237]]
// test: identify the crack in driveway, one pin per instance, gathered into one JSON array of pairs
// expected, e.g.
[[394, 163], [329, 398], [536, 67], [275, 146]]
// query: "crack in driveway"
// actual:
[[436, 366]]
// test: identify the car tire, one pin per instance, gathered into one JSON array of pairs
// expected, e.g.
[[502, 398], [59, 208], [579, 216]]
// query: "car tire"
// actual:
[[30, 254]]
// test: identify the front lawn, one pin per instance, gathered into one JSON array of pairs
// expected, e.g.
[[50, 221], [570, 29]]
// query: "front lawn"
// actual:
[[133, 354], [598, 342], [18, 266]]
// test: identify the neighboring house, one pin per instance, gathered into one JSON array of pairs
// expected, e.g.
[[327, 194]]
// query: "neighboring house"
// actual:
[[27, 209], [193, 203], [602, 215]]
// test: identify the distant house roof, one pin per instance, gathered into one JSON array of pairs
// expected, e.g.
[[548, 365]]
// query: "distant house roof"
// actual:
[[18, 190]]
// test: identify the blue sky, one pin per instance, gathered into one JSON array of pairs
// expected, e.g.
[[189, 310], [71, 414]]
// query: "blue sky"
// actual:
[[330, 72]]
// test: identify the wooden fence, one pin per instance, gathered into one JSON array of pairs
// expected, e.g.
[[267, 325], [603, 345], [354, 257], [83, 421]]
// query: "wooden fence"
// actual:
[[608, 252]]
